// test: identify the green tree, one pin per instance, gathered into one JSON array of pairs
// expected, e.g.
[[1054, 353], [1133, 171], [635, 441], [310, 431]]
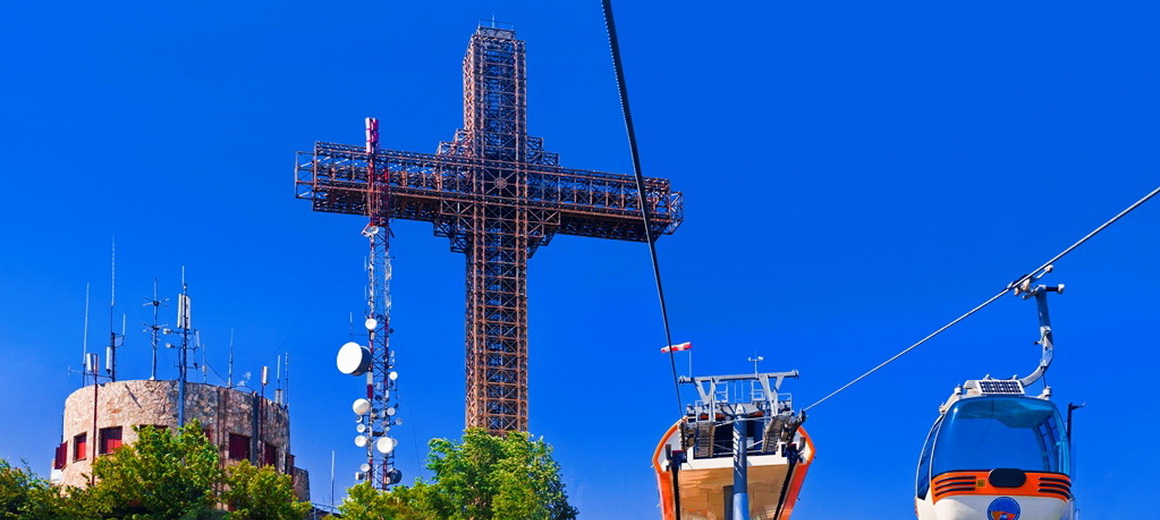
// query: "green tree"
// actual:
[[261, 494], [24, 495], [481, 477], [402, 503], [162, 476]]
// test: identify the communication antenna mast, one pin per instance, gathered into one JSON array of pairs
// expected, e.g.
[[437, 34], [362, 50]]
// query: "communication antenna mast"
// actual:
[[85, 336], [278, 381], [115, 341], [155, 329], [183, 324], [286, 390], [198, 346], [230, 381], [90, 361], [376, 412]]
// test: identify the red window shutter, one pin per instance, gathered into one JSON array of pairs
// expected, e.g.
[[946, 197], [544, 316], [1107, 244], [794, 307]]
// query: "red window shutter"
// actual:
[[80, 446], [270, 455], [61, 458], [110, 439]]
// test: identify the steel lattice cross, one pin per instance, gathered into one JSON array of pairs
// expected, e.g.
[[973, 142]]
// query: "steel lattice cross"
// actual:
[[498, 196]]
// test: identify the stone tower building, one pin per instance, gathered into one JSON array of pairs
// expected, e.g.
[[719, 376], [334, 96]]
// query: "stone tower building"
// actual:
[[98, 419]]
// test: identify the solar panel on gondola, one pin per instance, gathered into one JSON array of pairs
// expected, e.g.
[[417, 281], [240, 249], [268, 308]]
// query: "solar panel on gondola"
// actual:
[[995, 386]]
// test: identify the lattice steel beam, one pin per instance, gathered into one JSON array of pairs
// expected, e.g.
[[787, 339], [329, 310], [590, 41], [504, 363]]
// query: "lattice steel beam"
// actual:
[[497, 195]]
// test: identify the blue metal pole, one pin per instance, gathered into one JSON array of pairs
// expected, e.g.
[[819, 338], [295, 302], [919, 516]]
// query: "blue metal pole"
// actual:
[[740, 473]]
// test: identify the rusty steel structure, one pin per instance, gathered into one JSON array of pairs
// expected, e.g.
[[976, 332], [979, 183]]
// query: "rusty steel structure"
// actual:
[[498, 196]]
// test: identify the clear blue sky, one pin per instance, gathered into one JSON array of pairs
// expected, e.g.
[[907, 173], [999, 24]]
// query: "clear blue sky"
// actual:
[[855, 175]]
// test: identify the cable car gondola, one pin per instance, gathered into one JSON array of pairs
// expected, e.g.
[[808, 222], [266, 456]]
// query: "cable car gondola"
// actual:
[[740, 452], [997, 452]]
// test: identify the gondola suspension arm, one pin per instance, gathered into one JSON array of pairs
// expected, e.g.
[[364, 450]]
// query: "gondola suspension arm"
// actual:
[[1028, 290]]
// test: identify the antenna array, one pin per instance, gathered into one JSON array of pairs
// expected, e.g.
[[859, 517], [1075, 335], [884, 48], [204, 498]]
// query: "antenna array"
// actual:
[[376, 413]]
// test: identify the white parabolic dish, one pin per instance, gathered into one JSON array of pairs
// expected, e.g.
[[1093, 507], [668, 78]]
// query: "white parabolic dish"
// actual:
[[353, 359], [361, 406], [386, 445]]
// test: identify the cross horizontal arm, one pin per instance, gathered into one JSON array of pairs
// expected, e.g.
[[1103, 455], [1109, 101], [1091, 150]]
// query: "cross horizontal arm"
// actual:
[[423, 187]]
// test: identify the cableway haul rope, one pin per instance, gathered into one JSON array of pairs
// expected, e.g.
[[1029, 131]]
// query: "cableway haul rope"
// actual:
[[1018, 282], [614, 44]]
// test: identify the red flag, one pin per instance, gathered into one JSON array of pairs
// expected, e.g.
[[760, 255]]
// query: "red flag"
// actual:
[[678, 347]]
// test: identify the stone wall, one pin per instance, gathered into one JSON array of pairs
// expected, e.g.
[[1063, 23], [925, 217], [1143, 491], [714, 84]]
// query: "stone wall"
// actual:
[[221, 411]]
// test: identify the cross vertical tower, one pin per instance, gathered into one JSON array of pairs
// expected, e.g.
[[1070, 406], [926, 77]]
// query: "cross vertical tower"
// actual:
[[497, 196]]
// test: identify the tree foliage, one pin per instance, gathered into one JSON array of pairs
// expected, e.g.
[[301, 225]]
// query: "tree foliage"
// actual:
[[23, 495], [255, 493], [481, 477], [402, 503], [162, 476]]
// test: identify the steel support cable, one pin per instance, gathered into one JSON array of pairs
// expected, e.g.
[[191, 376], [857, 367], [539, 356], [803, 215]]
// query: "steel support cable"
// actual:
[[614, 45], [1012, 285]]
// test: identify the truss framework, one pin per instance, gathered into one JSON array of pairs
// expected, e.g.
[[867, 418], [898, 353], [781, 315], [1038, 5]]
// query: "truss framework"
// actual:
[[498, 196]]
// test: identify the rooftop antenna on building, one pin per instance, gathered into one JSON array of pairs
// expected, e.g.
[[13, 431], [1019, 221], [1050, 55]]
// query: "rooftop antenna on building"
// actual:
[[114, 340], [90, 361], [155, 329], [278, 381], [183, 324], [198, 346], [85, 336], [111, 357], [286, 390], [230, 381], [265, 380]]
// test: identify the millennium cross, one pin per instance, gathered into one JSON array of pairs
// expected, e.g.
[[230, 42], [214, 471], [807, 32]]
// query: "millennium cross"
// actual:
[[498, 196]]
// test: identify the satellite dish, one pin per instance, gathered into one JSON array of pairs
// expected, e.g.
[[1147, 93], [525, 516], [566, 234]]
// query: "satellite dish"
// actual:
[[361, 428], [362, 441], [360, 475], [393, 375], [353, 359], [361, 406], [386, 445], [394, 476], [365, 468], [371, 323], [391, 410]]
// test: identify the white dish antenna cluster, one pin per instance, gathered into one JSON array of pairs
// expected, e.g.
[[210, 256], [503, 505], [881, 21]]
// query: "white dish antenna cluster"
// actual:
[[355, 359], [367, 436]]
